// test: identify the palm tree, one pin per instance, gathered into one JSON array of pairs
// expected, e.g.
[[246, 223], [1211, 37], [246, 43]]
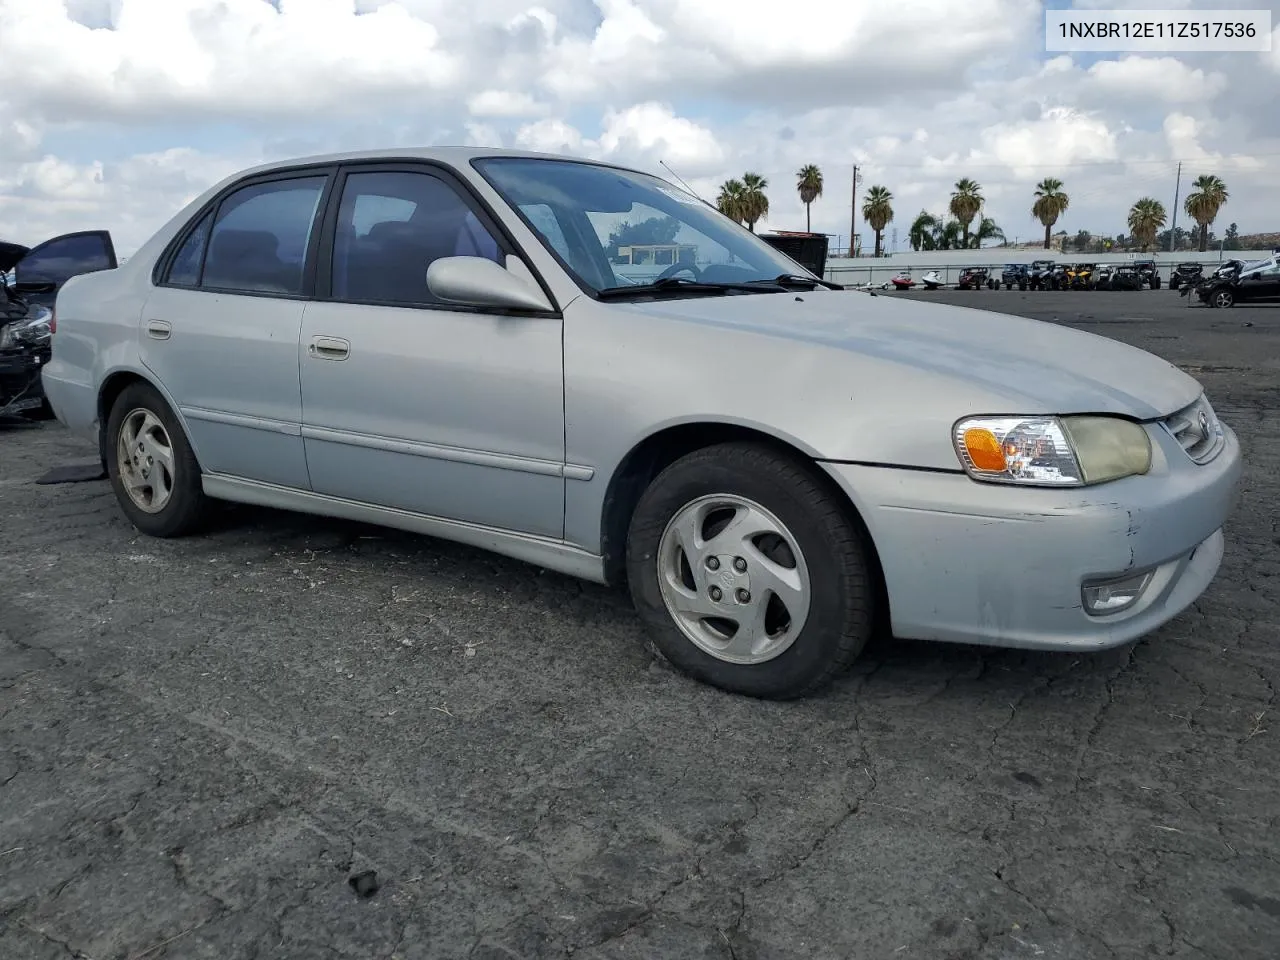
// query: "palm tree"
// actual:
[[809, 183], [965, 204], [924, 230], [876, 210], [988, 229], [1203, 205], [730, 200], [1051, 203], [755, 205], [1146, 217]]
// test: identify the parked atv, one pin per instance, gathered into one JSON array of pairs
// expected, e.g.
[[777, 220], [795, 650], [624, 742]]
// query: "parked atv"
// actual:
[[1080, 276], [1186, 274], [975, 278], [1125, 277], [1015, 275], [1040, 274], [1149, 272]]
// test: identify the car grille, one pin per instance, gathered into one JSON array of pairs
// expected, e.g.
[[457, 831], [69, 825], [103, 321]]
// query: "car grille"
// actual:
[[1197, 430]]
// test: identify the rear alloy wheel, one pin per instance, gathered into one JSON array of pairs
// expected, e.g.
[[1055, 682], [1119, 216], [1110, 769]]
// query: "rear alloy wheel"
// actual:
[[151, 466], [1223, 299], [748, 573]]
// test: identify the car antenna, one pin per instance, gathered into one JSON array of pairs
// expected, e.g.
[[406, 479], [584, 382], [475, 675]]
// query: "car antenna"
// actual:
[[685, 185]]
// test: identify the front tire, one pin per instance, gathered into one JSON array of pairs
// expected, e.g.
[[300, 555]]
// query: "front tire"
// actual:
[[1222, 299], [749, 574], [151, 465]]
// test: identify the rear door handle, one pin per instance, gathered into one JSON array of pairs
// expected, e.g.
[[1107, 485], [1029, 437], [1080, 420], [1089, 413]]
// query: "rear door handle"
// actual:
[[159, 329], [329, 348]]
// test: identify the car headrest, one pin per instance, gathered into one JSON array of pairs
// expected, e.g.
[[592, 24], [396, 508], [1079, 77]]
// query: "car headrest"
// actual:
[[244, 245]]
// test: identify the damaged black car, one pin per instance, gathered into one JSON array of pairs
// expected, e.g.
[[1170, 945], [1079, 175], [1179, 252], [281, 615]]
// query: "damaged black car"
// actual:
[[30, 278], [1235, 282]]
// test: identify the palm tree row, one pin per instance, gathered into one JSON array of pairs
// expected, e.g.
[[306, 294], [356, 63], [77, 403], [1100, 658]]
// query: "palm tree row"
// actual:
[[1147, 217], [744, 200]]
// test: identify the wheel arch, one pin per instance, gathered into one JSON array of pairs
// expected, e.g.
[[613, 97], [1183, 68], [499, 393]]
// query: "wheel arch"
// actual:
[[655, 452], [114, 384]]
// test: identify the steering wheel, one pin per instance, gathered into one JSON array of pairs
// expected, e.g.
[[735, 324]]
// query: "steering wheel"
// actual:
[[675, 268]]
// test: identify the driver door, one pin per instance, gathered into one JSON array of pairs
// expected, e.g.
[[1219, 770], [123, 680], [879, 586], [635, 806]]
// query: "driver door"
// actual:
[[412, 403]]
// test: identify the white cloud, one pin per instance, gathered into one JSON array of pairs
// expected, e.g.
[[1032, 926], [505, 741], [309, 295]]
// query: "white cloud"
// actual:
[[1164, 79], [503, 103], [116, 112]]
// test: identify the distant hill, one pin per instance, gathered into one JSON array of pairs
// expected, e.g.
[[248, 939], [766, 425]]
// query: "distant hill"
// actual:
[[1259, 241]]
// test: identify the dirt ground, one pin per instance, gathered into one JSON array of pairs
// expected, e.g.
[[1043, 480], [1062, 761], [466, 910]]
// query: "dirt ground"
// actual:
[[202, 740]]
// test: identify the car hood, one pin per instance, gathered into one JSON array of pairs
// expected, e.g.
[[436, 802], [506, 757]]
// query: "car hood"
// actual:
[[1031, 366], [11, 254]]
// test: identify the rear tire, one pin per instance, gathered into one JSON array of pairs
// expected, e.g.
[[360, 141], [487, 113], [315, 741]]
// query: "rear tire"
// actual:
[[151, 465], [797, 568]]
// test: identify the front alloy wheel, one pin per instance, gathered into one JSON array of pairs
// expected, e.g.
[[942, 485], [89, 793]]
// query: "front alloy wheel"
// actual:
[[1223, 299], [733, 579], [751, 571]]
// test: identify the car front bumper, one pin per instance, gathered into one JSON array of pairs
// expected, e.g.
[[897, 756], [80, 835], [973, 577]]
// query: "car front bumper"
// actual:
[[21, 391], [972, 562]]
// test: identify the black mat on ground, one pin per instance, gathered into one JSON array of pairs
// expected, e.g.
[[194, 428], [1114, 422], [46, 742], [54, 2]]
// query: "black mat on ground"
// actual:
[[75, 473]]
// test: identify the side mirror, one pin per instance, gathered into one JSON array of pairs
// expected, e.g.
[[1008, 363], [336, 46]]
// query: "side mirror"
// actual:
[[479, 282], [35, 285]]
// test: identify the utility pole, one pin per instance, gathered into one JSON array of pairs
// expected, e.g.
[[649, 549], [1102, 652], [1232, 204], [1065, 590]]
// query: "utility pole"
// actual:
[[853, 215], [1173, 230]]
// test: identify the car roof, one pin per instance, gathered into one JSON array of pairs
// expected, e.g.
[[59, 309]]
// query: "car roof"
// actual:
[[454, 155]]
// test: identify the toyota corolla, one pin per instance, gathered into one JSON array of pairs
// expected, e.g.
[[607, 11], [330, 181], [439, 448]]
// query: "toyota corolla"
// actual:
[[584, 367]]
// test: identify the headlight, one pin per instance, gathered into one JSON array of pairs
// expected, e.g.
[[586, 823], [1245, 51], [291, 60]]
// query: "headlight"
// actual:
[[32, 329], [1052, 451]]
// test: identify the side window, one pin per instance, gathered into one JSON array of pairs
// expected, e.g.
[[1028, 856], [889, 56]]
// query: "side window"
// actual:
[[62, 258], [391, 226], [259, 242], [185, 269]]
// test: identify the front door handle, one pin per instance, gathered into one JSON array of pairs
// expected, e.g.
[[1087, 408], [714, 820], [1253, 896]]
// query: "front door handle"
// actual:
[[329, 348], [159, 329]]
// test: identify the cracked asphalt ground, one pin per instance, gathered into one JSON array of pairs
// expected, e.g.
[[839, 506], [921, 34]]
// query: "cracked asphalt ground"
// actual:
[[202, 740]]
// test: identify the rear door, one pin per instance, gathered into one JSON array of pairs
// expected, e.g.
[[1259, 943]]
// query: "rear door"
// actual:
[[220, 329], [63, 257]]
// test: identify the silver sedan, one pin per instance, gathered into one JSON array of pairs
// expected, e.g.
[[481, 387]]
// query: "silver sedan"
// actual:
[[585, 367]]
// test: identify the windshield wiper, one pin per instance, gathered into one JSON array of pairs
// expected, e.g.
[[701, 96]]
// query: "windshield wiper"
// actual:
[[678, 285], [793, 280]]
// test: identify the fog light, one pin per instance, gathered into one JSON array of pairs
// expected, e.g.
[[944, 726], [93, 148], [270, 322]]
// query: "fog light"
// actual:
[[1111, 596]]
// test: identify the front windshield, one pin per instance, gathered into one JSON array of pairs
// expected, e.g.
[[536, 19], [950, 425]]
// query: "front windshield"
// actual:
[[614, 228]]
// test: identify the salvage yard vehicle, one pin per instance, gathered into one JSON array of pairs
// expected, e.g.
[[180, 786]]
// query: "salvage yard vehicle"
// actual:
[[975, 278], [902, 280], [1080, 276], [436, 340], [1257, 282], [1149, 272], [30, 278], [1041, 274], [1015, 275], [1120, 277], [1186, 274]]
